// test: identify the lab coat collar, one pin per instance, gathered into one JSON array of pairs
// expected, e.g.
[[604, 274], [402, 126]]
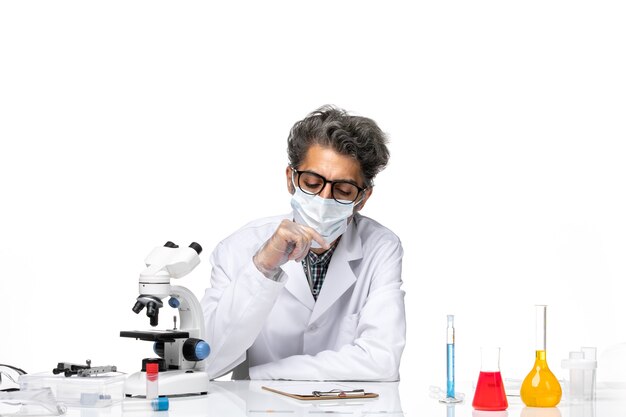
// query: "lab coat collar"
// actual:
[[297, 283], [338, 278]]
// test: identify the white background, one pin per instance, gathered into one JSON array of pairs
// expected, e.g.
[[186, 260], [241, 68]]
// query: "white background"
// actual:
[[125, 124]]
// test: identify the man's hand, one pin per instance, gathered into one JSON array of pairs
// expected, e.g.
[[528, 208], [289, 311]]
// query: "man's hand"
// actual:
[[290, 241]]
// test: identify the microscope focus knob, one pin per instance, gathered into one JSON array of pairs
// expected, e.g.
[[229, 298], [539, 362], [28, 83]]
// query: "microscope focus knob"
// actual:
[[195, 349], [159, 349]]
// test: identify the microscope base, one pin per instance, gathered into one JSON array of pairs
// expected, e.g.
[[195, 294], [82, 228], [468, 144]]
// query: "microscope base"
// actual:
[[183, 382]]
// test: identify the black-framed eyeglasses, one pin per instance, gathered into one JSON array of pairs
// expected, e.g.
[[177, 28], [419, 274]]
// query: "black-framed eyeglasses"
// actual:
[[342, 191]]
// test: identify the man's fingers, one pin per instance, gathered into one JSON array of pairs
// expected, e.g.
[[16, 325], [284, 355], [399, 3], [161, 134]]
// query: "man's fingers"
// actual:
[[293, 241], [290, 247], [304, 252], [301, 248], [322, 242]]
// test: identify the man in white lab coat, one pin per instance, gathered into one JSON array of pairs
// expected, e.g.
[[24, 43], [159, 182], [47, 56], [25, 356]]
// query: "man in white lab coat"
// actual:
[[314, 294]]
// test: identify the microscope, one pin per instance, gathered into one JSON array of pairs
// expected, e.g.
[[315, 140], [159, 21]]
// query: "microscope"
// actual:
[[181, 352]]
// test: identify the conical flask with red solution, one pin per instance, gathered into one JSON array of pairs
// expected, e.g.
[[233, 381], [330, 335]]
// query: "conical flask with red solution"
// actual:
[[490, 394]]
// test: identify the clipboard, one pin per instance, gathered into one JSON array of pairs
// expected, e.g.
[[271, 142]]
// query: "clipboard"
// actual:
[[336, 394]]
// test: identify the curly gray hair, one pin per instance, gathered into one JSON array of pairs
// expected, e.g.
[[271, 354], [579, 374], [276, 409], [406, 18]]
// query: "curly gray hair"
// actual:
[[355, 136]]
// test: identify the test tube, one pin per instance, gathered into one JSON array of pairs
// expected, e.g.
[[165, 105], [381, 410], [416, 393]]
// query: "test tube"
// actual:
[[450, 389], [450, 357], [152, 380], [154, 404]]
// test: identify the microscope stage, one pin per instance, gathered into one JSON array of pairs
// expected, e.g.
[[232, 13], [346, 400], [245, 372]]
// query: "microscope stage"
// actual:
[[155, 335]]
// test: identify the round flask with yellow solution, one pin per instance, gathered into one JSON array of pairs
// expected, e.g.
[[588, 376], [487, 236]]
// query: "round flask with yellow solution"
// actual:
[[540, 387]]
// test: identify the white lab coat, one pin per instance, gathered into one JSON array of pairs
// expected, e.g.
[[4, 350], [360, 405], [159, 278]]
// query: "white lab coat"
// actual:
[[355, 331]]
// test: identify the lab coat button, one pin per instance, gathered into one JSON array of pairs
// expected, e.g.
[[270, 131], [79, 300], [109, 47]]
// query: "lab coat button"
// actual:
[[312, 328]]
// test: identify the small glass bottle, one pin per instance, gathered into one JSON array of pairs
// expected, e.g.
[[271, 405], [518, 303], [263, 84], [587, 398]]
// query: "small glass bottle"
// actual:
[[490, 395], [152, 380], [540, 387]]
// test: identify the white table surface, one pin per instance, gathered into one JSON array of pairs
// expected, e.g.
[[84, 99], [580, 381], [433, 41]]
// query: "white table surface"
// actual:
[[405, 398]]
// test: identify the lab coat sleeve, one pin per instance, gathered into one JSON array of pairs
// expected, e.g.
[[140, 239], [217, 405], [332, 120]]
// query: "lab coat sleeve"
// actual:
[[375, 353], [235, 308]]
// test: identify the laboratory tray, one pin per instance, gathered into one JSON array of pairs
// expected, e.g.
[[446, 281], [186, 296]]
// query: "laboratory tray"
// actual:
[[93, 391]]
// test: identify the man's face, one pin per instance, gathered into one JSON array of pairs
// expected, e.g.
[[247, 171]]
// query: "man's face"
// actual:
[[332, 166]]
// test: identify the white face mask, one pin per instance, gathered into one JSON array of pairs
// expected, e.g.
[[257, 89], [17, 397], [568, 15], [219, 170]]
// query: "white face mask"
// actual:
[[328, 217]]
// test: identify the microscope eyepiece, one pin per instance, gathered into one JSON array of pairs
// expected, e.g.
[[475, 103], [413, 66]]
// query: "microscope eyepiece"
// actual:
[[196, 246], [170, 244]]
